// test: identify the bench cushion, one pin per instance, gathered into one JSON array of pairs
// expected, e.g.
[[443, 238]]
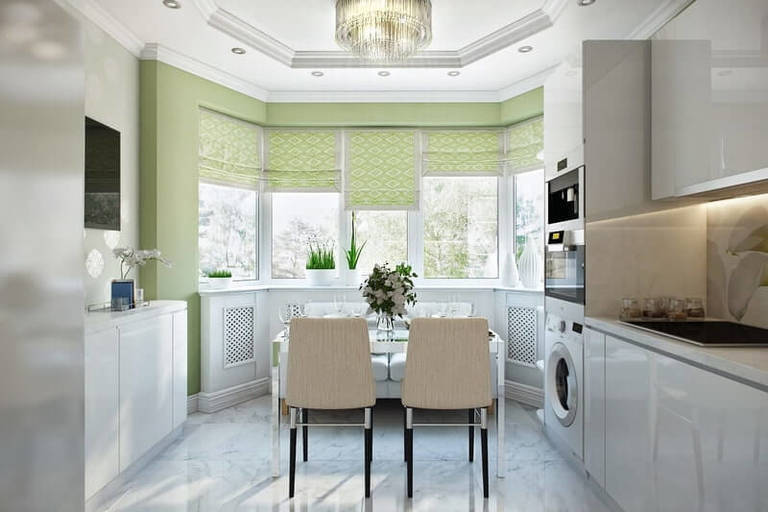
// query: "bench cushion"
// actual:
[[380, 370], [397, 366]]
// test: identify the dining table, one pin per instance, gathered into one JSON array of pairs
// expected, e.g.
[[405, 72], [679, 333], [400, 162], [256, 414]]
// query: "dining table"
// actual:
[[385, 342]]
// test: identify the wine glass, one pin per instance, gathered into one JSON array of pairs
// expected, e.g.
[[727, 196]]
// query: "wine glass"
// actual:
[[286, 314], [338, 304]]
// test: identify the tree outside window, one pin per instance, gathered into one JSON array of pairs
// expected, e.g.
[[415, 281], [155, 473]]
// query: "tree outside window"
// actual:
[[386, 234]]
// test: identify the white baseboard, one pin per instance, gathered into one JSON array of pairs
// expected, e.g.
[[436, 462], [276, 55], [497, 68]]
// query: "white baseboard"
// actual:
[[192, 403], [528, 395], [218, 400]]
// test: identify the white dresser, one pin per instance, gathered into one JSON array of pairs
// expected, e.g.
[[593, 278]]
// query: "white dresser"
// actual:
[[135, 386]]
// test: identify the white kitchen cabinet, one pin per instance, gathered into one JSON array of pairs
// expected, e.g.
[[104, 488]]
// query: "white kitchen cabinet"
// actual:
[[179, 368], [102, 462], [710, 99], [563, 134], [146, 365], [628, 420], [594, 405]]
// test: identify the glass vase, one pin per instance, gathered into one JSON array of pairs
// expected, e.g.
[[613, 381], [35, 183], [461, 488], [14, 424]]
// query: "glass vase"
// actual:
[[385, 323]]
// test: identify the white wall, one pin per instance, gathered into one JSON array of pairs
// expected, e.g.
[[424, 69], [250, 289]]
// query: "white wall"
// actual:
[[112, 98]]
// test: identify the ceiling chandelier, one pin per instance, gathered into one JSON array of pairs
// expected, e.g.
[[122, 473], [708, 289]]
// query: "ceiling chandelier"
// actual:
[[383, 30]]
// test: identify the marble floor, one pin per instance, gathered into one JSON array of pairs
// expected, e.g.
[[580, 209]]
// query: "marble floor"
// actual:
[[221, 462]]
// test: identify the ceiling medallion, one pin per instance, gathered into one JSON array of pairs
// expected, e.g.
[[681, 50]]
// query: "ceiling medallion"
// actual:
[[383, 30]]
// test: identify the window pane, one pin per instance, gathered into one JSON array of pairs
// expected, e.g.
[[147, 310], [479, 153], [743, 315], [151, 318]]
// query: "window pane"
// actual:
[[529, 213], [298, 219], [386, 234], [227, 230], [460, 227]]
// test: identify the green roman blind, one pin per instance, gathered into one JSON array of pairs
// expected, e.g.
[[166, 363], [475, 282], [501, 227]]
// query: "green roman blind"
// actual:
[[229, 149], [525, 144], [452, 152], [381, 170], [301, 161]]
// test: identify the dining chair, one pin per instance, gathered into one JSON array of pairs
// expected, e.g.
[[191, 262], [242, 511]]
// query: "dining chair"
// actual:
[[447, 367], [329, 367]]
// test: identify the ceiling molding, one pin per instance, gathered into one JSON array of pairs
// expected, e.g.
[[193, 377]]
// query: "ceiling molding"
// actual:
[[526, 84], [230, 24], [96, 14], [154, 51], [658, 18], [383, 97]]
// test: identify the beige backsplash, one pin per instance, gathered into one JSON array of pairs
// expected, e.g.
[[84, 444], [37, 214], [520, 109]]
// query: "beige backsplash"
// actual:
[[737, 252], [650, 255]]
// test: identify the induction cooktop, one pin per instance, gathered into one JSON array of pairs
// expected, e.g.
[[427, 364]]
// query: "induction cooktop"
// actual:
[[709, 333]]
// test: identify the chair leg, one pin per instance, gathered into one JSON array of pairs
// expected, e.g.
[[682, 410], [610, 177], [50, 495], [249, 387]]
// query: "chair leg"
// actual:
[[471, 417], [292, 461], [305, 433], [409, 451], [484, 447], [405, 437], [368, 451]]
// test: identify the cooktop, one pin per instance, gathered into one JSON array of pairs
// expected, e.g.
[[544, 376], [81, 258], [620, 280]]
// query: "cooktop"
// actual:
[[710, 333]]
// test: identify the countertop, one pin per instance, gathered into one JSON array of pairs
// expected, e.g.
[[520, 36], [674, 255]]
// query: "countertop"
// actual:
[[98, 320], [747, 365]]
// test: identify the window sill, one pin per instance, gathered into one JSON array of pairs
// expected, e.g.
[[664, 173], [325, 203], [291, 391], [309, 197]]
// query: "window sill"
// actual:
[[303, 286]]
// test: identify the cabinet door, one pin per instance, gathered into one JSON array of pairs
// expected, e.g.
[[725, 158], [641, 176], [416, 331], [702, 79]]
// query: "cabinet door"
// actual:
[[628, 419], [594, 405], [179, 368], [146, 366], [563, 135], [101, 410]]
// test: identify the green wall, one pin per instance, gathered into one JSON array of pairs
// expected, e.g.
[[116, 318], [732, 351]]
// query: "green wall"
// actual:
[[168, 199]]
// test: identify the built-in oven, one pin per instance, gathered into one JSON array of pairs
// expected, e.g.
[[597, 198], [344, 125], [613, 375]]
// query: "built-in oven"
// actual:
[[564, 265], [565, 199]]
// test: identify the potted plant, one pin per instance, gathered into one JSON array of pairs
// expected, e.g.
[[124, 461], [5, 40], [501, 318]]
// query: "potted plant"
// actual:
[[219, 279], [388, 292], [123, 289], [353, 255], [321, 264]]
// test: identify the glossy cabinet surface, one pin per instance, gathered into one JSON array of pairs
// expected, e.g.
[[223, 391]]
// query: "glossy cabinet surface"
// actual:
[[680, 437], [102, 458], [146, 352], [710, 98], [179, 368], [563, 134], [594, 405]]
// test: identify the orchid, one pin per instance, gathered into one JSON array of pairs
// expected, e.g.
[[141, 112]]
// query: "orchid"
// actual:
[[130, 257], [388, 291]]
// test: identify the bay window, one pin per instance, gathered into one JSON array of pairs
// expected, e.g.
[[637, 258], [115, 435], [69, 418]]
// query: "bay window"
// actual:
[[386, 236]]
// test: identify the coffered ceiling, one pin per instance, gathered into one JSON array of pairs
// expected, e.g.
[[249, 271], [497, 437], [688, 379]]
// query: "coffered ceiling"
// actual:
[[287, 40]]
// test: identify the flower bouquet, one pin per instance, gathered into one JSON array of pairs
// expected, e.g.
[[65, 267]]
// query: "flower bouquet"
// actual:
[[388, 292]]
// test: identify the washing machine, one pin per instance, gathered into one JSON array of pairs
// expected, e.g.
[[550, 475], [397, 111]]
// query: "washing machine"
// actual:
[[564, 375]]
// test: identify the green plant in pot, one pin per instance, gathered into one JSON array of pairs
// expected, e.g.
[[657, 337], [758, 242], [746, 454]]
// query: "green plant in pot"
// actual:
[[321, 264], [219, 279], [353, 255]]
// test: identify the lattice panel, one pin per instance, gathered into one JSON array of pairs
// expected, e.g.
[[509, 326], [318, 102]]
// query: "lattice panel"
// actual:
[[522, 334], [239, 335]]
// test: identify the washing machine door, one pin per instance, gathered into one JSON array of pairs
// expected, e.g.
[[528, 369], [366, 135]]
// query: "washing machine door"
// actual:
[[563, 387]]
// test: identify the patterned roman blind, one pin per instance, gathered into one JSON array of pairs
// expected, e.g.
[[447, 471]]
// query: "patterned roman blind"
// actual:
[[381, 170], [229, 149], [301, 161], [461, 152], [525, 144]]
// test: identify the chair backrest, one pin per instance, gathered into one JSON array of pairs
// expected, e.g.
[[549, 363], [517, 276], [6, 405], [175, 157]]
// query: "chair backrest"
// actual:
[[429, 309], [329, 364], [447, 364]]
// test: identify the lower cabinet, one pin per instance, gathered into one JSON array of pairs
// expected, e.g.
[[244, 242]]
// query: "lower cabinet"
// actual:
[[179, 368], [678, 437], [594, 405]]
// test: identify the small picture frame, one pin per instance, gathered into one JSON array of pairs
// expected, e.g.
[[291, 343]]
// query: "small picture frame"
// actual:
[[122, 294]]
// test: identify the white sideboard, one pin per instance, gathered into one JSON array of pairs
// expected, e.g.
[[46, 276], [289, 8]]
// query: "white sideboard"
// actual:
[[666, 431], [135, 386]]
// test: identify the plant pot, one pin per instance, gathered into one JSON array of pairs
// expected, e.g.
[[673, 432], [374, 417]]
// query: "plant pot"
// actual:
[[321, 277], [219, 283], [353, 277]]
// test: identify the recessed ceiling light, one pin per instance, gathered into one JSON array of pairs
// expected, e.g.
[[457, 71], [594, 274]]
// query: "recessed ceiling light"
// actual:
[[584, 3], [238, 51], [172, 4], [383, 73], [454, 73], [525, 49], [317, 73]]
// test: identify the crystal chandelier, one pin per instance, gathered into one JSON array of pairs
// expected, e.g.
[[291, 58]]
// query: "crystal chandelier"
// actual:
[[383, 30]]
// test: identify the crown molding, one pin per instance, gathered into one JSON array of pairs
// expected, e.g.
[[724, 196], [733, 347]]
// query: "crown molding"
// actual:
[[526, 84], [155, 51], [235, 27], [96, 14], [383, 97], [658, 18]]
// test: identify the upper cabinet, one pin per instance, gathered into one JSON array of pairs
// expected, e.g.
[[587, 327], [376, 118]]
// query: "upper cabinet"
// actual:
[[563, 133], [710, 99]]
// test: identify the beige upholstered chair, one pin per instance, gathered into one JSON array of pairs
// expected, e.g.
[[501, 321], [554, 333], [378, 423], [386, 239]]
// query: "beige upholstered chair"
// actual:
[[447, 367], [329, 367]]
